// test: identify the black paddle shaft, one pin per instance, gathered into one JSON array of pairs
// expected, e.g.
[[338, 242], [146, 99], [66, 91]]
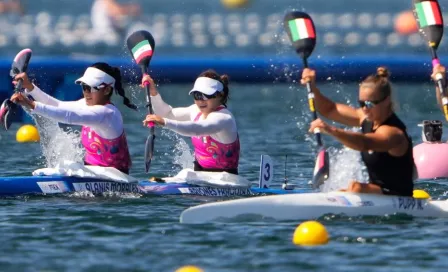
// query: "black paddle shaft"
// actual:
[[440, 84], [148, 92], [312, 103]]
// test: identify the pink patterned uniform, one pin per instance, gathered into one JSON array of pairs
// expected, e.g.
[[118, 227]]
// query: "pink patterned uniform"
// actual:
[[212, 154], [103, 135], [215, 138], [106, 152]]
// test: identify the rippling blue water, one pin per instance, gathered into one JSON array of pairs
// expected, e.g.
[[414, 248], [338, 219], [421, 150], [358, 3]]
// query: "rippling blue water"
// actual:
[[133, 233]]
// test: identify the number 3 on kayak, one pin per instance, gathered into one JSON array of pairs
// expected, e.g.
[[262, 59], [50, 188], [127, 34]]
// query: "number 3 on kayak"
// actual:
[[266, 171]]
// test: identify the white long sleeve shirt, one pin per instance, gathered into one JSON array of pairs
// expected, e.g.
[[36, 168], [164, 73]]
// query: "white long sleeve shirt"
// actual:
[[105, 120], [220, 125]]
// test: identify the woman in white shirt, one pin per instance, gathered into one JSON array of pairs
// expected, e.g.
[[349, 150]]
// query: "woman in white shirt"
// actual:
[[208, 122], [103, 135]]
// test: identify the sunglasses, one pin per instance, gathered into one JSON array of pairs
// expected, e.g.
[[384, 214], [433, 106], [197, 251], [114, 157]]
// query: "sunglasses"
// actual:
[[370, 103], [203, 97], [88, 89]]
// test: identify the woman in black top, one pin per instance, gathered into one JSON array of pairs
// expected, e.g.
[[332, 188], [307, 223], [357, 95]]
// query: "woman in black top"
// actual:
[[386, 148]]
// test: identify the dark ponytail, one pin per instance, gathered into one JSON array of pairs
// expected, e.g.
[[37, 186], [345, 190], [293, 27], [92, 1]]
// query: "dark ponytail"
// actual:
[[116, 74], [224, 79]]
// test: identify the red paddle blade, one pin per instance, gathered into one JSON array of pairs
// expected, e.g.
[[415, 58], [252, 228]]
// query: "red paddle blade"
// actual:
[[429, 17], [301, 32], [321, 169]]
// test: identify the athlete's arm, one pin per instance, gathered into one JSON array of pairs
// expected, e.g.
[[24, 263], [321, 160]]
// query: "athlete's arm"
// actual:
[[45, 98], [384, 139], [163, 109], [85, 116], [340, 113], [216, 122]]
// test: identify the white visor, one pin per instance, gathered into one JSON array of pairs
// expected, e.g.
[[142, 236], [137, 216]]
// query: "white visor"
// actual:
[[207, 86], [95, 77]]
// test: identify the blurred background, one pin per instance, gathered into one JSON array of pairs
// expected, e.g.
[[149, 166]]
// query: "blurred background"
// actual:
[[243, 38], [206, 28]]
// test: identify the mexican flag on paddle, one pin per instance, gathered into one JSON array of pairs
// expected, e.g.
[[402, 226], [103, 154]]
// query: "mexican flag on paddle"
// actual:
[[301, 31], [141, 51], [141, 45], [429, 17]]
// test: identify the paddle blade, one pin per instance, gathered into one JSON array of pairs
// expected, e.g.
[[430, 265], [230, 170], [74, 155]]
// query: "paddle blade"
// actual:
[[7, 110], [149, 151], [141, 45], [321, 169], [20, 63], [301, 32], [4, 108], [429, 17]]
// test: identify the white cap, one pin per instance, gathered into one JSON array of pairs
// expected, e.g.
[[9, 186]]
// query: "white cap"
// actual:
[[207, 86], [94, 77]]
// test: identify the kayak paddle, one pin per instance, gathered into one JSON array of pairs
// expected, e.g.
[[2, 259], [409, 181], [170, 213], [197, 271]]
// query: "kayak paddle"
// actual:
[[19, 65], [141, 45], [301, 32], [430, 21]]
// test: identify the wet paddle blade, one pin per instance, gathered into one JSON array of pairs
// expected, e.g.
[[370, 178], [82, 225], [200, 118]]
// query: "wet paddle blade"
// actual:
[[20, 65], [20, 62], [4, 108], [321, 169], [7, 110], [141, 45], [430, 21], [301, 31], [149, 151]]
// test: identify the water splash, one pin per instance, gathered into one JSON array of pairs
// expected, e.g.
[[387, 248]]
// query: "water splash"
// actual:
[[345, 165], [58, 145], [183, 157]]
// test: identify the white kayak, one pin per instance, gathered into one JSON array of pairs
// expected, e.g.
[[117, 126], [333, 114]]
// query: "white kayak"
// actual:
[[314, 205]]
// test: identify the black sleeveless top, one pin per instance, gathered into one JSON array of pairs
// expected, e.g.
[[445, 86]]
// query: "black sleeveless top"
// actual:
[[393, 174]]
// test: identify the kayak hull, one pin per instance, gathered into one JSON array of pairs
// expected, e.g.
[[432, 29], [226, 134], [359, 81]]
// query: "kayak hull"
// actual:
[[29, 185], [314, 205]]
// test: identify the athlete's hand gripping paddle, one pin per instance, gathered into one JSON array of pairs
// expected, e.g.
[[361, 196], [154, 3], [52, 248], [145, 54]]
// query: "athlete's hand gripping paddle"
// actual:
[[301, 32], [430, 21], [141, 45], [19, 65]]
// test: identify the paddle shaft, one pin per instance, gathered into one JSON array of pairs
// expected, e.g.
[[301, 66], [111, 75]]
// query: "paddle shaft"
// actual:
[[19, 85], [312, 104], [149, 146], [435, 61], [148, 97]]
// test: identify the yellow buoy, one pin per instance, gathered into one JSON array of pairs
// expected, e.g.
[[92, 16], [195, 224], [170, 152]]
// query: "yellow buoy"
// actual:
[[310, 233], [27, 133], [233, 4], [421, 194], [189, 268]]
